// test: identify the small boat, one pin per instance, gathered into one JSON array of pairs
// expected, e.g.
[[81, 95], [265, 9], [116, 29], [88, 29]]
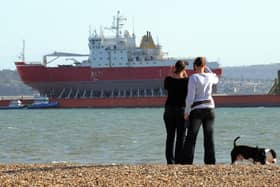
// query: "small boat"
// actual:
[[14, 104], [43, 102]]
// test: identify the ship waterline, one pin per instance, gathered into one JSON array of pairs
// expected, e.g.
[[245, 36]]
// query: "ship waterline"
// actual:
[[154, 101], [159, 101]]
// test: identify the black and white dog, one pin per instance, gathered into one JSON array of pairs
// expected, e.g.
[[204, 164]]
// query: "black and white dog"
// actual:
[[255, 154]]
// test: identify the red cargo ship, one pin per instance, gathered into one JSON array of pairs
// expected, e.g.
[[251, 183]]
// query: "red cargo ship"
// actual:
[[117, 73]]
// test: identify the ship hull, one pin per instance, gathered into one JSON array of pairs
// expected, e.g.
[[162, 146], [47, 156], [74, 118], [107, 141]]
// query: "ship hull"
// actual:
[[220, 101], [247, 100], [87, 82]]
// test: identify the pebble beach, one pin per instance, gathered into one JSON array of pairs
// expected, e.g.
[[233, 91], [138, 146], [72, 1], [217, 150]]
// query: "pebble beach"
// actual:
[[139, 175]]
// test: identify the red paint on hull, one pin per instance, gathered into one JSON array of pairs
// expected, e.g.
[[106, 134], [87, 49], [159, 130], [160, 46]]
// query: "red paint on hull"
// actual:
[[31, 73], [220, 101], [111, 102], [247, 100], [39, 75]]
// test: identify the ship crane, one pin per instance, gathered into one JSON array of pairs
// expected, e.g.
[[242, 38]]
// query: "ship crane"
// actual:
[[275, 90], [56, 55]]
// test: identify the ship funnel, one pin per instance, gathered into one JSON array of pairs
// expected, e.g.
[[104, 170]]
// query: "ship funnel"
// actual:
[[147, 41]]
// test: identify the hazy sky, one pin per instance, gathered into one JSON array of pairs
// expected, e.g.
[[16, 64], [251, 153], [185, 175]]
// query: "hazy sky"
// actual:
[[235, 32]]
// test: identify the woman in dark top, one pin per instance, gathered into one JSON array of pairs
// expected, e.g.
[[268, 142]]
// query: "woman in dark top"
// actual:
[[176, 86]]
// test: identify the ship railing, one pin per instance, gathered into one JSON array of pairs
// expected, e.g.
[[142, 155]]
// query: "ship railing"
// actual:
[[61, 93], [76, 94], [115, 93], [69, 94], [84, 93]]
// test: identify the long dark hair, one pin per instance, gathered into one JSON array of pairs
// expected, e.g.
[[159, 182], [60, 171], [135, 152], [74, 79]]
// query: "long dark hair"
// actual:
[[179, 66]]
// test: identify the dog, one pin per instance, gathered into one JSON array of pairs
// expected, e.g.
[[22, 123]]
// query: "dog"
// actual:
[[254, 154]]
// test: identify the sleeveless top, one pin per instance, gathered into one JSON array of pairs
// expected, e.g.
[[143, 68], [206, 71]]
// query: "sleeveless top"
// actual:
[[176, 91]]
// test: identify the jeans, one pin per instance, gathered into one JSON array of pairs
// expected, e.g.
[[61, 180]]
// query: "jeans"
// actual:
[[175, 126], [198, 117]]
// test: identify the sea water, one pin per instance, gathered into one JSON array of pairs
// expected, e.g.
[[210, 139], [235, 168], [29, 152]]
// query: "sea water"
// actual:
[[122, 135]]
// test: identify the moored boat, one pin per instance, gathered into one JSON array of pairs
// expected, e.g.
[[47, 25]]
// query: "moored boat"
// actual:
[[14, 104], [43, 103]]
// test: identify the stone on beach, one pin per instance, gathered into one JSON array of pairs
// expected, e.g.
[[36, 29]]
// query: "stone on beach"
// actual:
[[138, 175]]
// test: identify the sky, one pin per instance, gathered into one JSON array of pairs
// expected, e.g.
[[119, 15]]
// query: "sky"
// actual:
[[233, 32]]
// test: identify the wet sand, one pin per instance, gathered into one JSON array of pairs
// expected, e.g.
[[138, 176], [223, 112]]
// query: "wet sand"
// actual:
[[138, 175]]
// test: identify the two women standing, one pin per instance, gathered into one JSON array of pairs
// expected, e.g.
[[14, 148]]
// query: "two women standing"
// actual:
[[198, 110]]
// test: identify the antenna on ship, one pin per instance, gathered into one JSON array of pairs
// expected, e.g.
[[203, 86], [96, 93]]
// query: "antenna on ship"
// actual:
[[23, 51], [133, 25], [117, 24], [89, 30], [101, 32]]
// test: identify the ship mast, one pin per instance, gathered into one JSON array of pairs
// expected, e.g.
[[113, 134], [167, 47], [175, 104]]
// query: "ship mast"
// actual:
[[23, 51], [117, 24]]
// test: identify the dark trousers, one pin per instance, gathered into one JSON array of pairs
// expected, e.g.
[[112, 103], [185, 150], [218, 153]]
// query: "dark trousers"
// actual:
[[198, 117], [175, 126]]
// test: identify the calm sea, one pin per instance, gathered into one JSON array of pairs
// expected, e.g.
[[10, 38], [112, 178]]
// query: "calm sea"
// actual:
[[123, 135]]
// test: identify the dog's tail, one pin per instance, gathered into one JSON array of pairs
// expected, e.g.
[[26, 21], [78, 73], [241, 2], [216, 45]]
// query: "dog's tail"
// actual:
[[234, 142]]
